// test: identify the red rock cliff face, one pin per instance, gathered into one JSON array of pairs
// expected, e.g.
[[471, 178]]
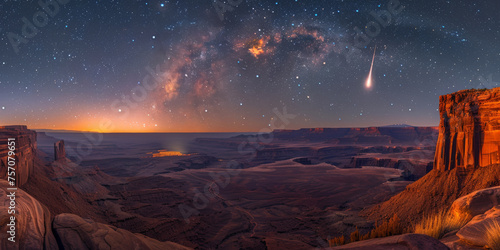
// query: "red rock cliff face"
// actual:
[[25, 152], [469, 130]]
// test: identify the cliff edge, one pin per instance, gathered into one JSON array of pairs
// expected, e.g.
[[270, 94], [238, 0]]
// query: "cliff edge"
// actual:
[[469, 129]]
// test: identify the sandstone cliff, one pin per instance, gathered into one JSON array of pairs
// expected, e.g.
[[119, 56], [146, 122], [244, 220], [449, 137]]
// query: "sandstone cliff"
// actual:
[[25, 152], [466, 157], [469, 130]]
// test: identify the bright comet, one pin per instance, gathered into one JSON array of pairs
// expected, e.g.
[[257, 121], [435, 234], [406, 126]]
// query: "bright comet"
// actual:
[[368, 84]]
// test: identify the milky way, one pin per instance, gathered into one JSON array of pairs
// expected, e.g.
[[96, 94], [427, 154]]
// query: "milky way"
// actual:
[[170, 66]]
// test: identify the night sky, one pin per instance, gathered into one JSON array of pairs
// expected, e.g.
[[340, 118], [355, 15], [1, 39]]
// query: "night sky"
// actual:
[[196, 66]]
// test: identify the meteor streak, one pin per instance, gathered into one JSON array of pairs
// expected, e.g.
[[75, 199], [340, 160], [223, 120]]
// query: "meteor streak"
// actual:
[[368, 84]]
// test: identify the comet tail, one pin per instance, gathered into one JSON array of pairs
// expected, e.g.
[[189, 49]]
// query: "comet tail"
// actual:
[[369, 79]]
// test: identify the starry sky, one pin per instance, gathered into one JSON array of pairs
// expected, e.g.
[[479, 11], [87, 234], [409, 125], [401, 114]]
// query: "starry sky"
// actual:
[[223, 66]]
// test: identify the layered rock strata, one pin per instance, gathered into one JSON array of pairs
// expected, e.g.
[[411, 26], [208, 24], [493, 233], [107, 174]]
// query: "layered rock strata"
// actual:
[[469, 130], [25, 152]]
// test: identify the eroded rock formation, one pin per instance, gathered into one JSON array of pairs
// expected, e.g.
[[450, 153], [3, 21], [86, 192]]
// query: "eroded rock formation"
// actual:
[[25, 150], [469, 130], [59, 150]]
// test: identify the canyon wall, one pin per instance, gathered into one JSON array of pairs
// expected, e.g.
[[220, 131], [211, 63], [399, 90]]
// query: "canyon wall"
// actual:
[[368, 136], [25, 152], [469, 130], [416, 168]]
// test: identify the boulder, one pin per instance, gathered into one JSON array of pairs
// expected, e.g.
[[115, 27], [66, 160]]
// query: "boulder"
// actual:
[[452, 241], [475, 231], [476, 202], [77, 233], [405, 241]]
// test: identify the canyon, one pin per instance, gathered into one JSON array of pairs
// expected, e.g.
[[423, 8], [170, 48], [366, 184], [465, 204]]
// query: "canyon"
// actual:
[[288, 192], [43, 192], [288, 189]]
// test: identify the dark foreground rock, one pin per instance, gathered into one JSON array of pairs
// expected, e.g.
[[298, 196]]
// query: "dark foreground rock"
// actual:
[[34, 228], [31, 226], [75, 232], [476, 202], [475, 231], [405, 241]]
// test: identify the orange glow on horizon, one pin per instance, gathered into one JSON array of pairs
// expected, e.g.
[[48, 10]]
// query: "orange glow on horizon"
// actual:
[[118, 126]]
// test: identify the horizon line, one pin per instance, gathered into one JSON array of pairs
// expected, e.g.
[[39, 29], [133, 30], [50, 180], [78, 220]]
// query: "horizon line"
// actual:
[[214, 132]]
